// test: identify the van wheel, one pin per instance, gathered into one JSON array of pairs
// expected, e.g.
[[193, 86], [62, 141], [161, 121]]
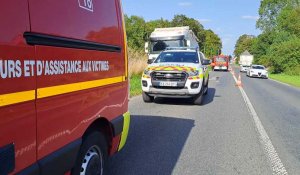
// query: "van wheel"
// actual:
[[147, 98], [198, 100], [206, 86], [92, 157]]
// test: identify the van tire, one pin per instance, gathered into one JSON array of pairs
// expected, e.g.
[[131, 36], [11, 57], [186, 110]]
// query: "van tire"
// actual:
[[147, 98], [198, 99], [206, 86], [93, 155]]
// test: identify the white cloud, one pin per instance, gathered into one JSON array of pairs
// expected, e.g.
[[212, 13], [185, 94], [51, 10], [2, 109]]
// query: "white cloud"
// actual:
[[184, 4], [250, 17], [204, 20]]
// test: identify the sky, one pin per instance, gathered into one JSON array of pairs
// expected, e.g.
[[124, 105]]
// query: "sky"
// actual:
[[227, 18]]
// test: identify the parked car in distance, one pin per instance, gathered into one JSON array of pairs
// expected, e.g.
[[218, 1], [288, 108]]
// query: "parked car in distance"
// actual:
[[257, 71], [244, 68]]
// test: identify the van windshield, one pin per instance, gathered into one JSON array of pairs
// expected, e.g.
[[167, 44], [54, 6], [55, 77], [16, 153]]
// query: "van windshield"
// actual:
[[177, 57], [220, 59], [159, 46]]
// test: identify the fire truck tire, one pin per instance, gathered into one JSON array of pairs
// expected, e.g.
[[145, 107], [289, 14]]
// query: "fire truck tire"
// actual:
[[147, 98], [92, 157]]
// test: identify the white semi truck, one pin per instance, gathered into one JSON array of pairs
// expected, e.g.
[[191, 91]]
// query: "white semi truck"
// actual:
[[246, 60], [161, 38]]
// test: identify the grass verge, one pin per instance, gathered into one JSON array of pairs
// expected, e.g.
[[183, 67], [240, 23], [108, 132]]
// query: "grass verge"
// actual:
[[135, 85], [293, 80]]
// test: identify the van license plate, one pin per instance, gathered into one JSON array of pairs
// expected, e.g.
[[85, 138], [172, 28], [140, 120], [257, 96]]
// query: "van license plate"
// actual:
[[169, 84]]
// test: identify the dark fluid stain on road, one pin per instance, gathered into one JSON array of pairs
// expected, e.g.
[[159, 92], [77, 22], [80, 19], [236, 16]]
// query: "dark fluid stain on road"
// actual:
[[157, 153]]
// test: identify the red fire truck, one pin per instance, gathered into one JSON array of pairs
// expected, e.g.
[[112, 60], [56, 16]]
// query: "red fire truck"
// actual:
[[63, 86], [220, 62]]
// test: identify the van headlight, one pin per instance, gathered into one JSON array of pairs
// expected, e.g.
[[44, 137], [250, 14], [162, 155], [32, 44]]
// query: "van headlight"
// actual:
[[147, 72], [193, 73]]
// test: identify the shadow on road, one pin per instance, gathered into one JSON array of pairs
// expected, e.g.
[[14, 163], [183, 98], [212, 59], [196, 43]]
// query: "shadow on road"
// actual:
[[186, 101], [153, 147], [210, 96]]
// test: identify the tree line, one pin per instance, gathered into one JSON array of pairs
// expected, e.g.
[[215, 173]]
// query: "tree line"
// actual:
[[138, 32], [278, 47]]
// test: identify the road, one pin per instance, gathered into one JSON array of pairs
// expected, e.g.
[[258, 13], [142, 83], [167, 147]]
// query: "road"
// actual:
[[172, 136]]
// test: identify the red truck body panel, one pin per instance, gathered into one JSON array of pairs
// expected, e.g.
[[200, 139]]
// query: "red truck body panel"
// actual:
[[53, 114]]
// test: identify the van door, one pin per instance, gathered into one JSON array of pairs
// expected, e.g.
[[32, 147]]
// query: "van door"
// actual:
[[76, 33], [17, 89]]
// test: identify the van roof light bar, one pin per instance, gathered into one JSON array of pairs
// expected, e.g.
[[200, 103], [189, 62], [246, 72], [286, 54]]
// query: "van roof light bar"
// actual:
[[182, 48]]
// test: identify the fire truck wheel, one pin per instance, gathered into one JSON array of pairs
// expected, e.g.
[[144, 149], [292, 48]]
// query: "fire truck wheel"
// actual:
[[147, 98], [92, 157]]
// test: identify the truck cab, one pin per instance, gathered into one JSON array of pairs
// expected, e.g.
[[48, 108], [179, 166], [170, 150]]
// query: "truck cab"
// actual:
[[161, 38]]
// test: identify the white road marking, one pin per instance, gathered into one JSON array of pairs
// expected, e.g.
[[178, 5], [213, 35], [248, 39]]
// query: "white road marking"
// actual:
[[276, 164], [280, 82]]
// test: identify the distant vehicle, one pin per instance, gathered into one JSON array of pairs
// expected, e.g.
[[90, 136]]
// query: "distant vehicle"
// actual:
[[161, 38], [244, 68], [257, 71], [246, 59], [220, 62], [177, 73]]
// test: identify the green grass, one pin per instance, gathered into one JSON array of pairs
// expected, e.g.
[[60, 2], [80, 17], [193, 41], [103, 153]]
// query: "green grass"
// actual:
[[135, 85], [209, 68], [293, 80]]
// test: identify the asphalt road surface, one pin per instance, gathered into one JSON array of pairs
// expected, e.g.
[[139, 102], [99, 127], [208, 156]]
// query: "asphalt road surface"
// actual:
[[173, 136]]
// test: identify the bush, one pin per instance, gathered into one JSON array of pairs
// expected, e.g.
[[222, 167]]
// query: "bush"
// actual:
[[285, 56], [293, 70]]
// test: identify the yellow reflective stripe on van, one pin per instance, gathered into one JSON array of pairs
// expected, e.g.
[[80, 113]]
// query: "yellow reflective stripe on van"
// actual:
[[125, 41], [18, 97], [171, 68], [125, 130], [63, 89]]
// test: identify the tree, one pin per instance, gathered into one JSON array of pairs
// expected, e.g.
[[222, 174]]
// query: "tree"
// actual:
[[212, 44], [135, 28], [260, 47], [289, 20], [182, 20], [268, 12], [244, 43], [285, 57], [195, 26]]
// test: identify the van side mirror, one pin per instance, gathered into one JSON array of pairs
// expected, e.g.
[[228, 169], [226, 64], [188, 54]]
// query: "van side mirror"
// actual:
[[146, 47], [206, 62], [150, 61]]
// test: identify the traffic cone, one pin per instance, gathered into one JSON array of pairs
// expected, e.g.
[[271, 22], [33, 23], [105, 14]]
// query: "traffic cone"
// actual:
[[239, 81]]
